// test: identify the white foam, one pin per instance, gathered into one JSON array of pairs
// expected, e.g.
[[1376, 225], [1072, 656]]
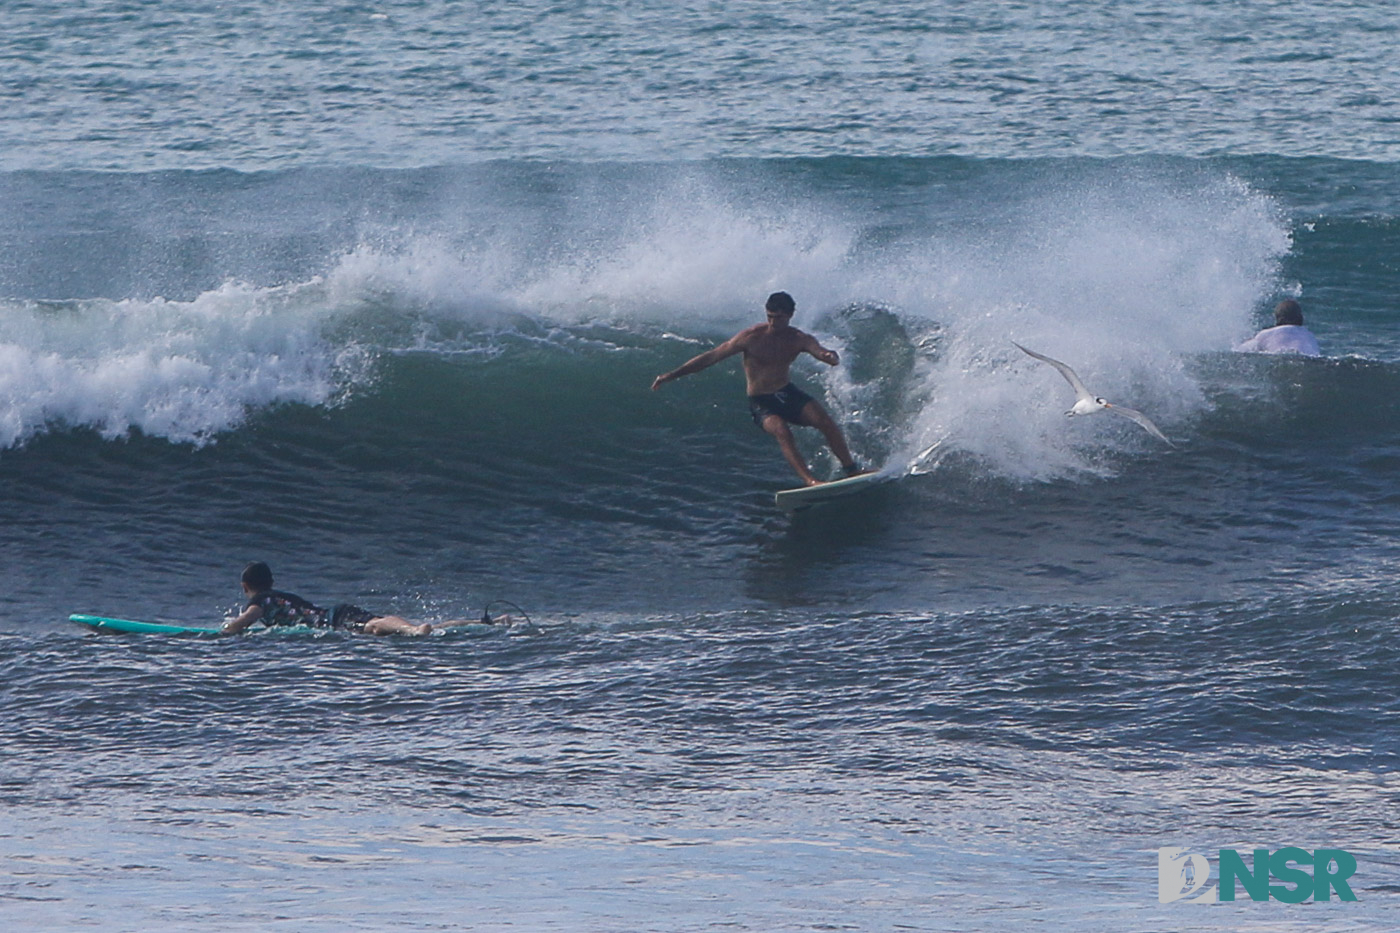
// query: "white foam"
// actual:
[[184, 371], [1123, 282]]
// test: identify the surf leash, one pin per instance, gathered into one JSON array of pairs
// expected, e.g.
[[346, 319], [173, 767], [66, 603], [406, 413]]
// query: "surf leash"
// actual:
[[486, 613]]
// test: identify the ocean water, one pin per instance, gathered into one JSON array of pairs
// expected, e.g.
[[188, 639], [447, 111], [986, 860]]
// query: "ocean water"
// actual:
[[376, 293]]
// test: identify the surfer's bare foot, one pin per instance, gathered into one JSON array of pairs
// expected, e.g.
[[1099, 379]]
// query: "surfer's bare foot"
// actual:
[[855, 470]]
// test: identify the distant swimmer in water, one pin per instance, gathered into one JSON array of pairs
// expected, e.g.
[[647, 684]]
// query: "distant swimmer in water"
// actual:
[[1288, 335], [769, 350], [274, 607]]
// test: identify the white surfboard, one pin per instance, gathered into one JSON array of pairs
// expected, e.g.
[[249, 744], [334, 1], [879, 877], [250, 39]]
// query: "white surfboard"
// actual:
[[793, 500]]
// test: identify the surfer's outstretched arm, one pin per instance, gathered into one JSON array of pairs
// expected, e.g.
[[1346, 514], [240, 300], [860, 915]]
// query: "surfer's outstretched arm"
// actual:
[[810, 345], [705, 360]]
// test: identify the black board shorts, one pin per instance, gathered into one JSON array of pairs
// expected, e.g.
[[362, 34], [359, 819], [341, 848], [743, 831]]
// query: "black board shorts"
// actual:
[[351, 618], [787, 403]]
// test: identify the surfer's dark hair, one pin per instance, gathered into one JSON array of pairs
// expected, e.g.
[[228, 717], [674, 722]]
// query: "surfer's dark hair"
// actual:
[[781, 303], [1288, 311], [258, 575]]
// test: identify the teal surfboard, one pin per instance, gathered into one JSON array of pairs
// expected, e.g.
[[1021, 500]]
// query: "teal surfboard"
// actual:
[[804, 497], [104, 624], [133, 627]]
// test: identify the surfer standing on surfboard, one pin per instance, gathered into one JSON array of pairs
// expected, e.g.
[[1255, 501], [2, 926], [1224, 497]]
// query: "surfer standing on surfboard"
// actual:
[[769, 350]]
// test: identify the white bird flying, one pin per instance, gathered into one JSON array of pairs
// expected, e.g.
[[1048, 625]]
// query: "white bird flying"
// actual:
[[1087, 403]]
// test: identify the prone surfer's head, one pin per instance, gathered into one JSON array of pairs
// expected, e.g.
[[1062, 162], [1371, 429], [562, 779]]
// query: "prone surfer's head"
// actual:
[[780, 303], [1288, 311], [257, 576]]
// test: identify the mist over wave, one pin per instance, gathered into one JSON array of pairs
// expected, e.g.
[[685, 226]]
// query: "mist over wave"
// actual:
[[921, 278]]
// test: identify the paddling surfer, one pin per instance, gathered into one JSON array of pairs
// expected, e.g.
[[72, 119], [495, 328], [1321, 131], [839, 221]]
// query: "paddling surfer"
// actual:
[[274, 607], [769, 350]]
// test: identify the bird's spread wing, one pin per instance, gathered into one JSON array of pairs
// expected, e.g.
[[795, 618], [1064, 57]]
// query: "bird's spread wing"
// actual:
[[1141, 419], [1065, 371]]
